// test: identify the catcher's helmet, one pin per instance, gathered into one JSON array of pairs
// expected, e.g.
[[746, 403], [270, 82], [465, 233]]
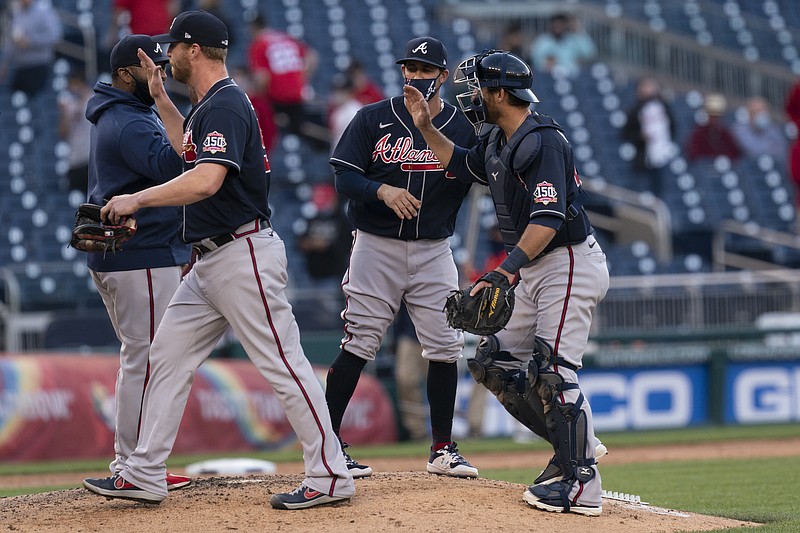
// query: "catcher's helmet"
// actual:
[[492, 68]]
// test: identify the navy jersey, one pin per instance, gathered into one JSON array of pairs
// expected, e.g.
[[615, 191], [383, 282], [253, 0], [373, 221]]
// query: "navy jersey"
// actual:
[[222, 128], [382, 144], [550, 183]]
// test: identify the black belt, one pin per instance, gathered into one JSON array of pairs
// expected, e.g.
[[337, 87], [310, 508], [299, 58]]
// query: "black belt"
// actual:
[[210, 244]]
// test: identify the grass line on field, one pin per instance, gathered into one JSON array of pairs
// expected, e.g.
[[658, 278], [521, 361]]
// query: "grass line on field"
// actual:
[[616, 441]]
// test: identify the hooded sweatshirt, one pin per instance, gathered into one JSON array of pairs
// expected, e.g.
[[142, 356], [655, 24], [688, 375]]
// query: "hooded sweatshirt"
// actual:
[[129, 152]]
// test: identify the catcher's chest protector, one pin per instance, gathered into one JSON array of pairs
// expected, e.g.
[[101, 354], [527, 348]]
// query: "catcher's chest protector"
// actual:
[[512, 199]]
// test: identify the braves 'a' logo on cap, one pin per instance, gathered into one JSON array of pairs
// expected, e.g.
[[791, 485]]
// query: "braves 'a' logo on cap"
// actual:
[[421, 48], [158, 49]]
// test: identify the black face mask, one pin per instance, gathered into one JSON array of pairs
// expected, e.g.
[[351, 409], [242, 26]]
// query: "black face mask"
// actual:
[[426, 86], [142, 92]]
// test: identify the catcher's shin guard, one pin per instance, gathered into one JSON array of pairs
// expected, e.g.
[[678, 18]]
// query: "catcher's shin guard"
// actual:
[[568, 429], [512, 388]]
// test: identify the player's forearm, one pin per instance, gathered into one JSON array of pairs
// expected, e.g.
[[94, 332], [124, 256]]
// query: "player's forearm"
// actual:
[[356, 186], [438, 143], [194, 185], [173, 121], [535, 239]]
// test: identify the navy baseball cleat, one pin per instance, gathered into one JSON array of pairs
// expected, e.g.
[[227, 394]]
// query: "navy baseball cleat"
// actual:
[[302, 498], [355, 468], [553, 498], [449, 462], [176, 481], [117, 487]]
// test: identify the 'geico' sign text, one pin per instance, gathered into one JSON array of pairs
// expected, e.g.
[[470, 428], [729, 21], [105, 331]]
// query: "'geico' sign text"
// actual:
[[761, 395], [644, 399]]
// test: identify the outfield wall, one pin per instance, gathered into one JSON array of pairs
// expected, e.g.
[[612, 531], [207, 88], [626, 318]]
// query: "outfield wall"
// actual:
[[59, 406], [62, 406], [674, 386]]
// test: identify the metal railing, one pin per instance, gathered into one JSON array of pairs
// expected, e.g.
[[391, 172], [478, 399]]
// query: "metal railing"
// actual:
[[723, 257]]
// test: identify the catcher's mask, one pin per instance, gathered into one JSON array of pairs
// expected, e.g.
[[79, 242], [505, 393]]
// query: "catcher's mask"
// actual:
[[491, 68]]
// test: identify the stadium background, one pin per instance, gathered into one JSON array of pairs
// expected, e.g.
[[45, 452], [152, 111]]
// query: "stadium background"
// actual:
[[700, 325]]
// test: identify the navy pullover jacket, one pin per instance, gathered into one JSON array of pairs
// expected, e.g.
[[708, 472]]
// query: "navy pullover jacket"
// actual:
[[129, 152]]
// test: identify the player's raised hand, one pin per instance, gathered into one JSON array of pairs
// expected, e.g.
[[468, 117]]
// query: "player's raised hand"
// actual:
[[417, 106], [402, 202], [155, 75]]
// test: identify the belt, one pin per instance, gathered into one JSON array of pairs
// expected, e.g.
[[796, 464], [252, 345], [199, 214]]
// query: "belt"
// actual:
[[209, 244]]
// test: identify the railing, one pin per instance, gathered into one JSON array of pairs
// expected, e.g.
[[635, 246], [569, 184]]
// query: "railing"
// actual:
[[723, 258], [86, 52], [637, 216]]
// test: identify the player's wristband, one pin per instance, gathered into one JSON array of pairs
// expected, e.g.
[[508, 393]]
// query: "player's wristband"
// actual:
[[515, 261]]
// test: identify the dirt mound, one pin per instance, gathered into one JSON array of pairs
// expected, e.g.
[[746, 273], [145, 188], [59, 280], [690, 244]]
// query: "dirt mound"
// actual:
[[411, 501]]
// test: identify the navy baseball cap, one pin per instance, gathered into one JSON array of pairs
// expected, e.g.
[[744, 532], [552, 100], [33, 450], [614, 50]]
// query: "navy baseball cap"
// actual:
[[199, 27], [124, 53], [425, 50]]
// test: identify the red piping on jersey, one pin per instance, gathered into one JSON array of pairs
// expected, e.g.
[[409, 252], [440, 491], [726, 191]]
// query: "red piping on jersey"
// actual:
[[256, 229], [564, 311], [288, 366]]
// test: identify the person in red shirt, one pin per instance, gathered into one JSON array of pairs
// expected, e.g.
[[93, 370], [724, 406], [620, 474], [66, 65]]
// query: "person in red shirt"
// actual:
[[713, 138], [793, 111], [148, 17], [364, 89], [281, 67]]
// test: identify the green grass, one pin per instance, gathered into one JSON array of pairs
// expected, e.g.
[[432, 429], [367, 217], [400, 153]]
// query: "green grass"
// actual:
[[758, 490]]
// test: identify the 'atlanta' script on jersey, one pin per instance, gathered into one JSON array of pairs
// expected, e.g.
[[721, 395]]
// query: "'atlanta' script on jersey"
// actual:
[[401, 152]]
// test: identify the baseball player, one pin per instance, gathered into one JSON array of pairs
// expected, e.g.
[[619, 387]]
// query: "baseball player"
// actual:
[[239, 279], [531, 366], [129, 152], [403, 206]]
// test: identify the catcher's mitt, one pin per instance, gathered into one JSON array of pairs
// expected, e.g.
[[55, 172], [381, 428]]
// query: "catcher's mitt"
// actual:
[[90, 234], [485, 313]]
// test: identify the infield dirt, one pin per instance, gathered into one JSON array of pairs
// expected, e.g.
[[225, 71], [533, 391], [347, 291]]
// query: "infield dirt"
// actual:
[[400, 495]]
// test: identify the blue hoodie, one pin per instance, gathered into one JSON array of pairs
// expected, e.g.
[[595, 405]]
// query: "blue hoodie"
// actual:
[[129, 152]]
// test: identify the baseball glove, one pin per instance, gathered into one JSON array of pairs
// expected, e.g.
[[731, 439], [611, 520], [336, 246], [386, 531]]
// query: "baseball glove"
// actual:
[[90, 234], [485, 313]]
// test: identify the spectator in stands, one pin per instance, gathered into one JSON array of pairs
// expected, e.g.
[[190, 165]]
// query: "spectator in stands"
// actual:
[[262, 107], [650, 127], [712, 138], [35, 29], [513, 40], [147, 17], [365, 90], [130, 152], [75, 129], [343, 107], [410, 374], [564, 48], [326, 238], [759, 135], [793, 111], [282, 67]]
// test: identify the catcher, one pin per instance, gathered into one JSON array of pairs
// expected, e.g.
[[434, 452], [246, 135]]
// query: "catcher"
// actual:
[[531, 366]]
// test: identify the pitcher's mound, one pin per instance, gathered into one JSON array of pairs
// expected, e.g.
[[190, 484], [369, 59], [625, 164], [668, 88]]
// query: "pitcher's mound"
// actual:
[[403, 501]]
